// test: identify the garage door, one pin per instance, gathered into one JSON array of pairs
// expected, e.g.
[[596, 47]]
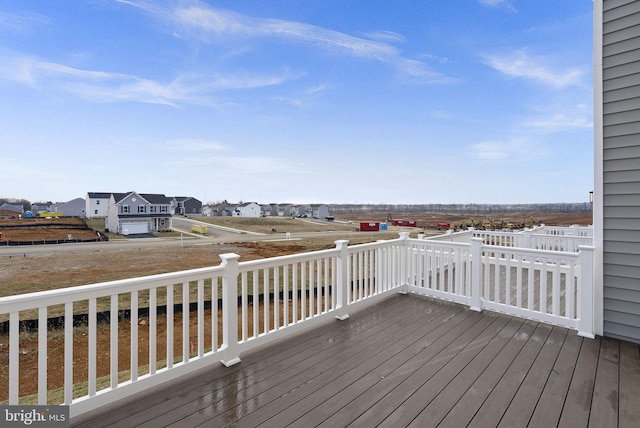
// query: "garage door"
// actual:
[[134, 228]]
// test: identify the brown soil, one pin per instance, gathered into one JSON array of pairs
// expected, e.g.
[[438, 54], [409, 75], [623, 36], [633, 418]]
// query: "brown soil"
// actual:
[[27, 274], [44, 229]]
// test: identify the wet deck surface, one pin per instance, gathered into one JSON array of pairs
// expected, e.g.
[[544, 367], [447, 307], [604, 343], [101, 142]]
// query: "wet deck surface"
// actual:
[[409, 361]]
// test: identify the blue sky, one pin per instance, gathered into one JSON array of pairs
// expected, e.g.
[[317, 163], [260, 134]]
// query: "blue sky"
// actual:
[[376, 101]]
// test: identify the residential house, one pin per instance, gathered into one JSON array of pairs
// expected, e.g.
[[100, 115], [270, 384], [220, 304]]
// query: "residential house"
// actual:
[[186, 205], [301, 210], [39, 207], [320, 211], [247, 209], [221, 210], [616, 196], [97, 204], [136, 213], [18, 209], [74, 208]]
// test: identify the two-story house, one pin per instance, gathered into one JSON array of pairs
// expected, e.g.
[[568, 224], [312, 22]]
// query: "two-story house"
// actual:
[[186, 205], [97, 204], [135, 213]]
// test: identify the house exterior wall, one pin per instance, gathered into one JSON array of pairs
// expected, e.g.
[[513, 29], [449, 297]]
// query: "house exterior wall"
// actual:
[[73, 208], [617, 169], [97, 204], [250, 209]]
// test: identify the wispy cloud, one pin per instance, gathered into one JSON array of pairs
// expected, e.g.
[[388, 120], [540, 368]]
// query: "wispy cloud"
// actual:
[[517, 149], [21, 24], [502, 4], [208, 24], [102, 86], [561, 121], [520, 64]]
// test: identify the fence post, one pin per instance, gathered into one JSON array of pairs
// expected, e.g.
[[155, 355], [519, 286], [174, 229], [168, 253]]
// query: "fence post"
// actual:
[[476, 269], [231, 353], [587, 286], [342, 286], [404, 262]]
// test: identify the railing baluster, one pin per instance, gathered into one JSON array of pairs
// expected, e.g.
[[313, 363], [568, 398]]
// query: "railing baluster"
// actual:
[[68, 353], [93, 319], [169, 338], [200, 324], [153, 330], [113, 330], [14, 357], [133, 347], [42, 356]]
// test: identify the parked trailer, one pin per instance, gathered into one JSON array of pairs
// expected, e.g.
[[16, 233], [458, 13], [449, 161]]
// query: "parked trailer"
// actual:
[[369, 226], [404, 223]]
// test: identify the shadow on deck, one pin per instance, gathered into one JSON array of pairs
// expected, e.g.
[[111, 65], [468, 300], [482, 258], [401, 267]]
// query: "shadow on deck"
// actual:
[[408, 361]]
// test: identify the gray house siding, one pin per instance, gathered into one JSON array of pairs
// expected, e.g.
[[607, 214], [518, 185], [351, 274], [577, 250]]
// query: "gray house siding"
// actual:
[[621, 168]]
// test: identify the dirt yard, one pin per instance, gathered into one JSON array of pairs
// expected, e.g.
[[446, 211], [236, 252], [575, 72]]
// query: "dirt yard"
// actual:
[[34, 273]]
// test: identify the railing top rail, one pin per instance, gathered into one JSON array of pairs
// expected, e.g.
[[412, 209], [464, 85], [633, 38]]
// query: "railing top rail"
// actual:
[[531, 252], [37, 299], [286, 259]]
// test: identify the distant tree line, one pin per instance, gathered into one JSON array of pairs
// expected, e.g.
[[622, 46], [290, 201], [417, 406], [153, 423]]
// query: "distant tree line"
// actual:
[[477, 209]]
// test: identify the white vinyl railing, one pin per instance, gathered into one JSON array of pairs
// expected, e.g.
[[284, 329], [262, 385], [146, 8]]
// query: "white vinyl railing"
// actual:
[[156, 328]]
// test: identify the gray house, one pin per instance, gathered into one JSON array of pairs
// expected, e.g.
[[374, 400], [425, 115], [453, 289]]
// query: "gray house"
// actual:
[[73, 208], [136, 213], [186, 205], [616, 207], [320, 211]]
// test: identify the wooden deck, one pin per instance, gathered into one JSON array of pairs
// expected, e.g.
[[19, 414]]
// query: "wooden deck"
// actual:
[[409, 361]]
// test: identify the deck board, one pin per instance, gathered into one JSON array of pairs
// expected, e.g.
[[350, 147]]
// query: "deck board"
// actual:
[[408, 361]]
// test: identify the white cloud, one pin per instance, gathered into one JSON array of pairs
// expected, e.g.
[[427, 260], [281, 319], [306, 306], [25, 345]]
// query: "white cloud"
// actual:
[[504, 4], [514, 150], [520, 64], [206, 23], [21, 23], [101, 86]]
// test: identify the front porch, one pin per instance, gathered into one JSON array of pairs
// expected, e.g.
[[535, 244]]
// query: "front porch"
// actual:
[[406, 361]]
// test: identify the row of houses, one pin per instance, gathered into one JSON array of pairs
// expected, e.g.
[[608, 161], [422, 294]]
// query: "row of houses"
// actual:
[[253, 209]]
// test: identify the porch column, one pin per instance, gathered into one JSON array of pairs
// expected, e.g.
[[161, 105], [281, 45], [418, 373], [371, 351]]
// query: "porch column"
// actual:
[[342, 285], [231, 353], [586, 291]]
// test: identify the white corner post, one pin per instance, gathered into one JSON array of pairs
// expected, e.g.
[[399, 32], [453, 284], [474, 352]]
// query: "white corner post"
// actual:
[[231, 353], [404, 261], [476, 270], [586, 292], [342, 285]]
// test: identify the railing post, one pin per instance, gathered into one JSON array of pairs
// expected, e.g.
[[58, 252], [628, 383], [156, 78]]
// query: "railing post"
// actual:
[[404, 261], [231, 353], [527, 238], [587, 286], [476, 269], [342, 286]]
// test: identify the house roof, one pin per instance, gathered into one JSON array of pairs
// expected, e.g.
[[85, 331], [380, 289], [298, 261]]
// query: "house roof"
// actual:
[[98, 195], [152, 198]]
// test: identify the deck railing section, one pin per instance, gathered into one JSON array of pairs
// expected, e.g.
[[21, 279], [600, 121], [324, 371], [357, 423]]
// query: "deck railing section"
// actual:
[[179, 322]]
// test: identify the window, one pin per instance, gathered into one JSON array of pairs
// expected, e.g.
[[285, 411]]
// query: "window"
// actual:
[[95, 212], [125, 209], [163, 209], [142, 209], [98, 202], [152, 209]]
